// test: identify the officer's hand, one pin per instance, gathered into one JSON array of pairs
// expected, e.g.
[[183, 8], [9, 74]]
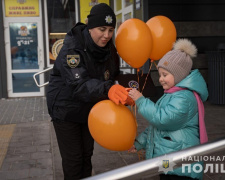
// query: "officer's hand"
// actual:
[[118, 94]]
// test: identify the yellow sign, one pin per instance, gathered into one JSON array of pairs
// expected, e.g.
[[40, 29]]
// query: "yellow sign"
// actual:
[[85, 7], [21, 8]]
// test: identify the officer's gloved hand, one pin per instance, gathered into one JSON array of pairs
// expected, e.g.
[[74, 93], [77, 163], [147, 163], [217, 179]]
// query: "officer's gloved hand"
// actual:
[[118, 94]]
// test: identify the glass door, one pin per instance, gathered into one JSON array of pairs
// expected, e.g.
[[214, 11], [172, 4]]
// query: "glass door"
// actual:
[[24, 55]]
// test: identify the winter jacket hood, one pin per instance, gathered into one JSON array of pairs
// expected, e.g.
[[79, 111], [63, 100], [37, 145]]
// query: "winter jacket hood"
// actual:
[[195, 82]]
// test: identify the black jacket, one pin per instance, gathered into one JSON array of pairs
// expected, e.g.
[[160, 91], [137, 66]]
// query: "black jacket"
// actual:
[[75, 86]]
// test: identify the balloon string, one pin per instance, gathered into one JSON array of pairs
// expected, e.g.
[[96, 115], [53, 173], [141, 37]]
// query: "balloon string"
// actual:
[[147, 76], [141, 155], [138, 70], [135, 113], [155, 64]]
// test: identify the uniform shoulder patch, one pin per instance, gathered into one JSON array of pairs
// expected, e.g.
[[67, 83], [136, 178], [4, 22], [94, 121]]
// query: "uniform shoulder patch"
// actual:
[[73, 60]]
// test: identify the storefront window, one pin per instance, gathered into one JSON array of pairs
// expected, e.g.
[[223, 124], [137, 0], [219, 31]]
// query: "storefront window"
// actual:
[[118, 20], [118, 5], [127, 16], [128, 2], [61, 18], [85, 7]]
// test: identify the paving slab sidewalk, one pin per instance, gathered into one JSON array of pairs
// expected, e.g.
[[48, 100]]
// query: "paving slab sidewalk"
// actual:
[[33, 150]]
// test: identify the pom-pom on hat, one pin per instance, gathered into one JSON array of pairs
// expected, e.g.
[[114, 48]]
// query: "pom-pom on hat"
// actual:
[[179, 60], [101, 15]]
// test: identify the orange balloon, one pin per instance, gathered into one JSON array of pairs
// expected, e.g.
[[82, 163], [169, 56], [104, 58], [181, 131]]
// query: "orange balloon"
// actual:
[[163, 36], [112, 126], [134, 42]]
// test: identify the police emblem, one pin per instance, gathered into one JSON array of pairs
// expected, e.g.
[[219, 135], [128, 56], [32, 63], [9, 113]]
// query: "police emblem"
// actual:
[[106, 75], [165, 164], [73, 60], [108, 19], [133, 84]]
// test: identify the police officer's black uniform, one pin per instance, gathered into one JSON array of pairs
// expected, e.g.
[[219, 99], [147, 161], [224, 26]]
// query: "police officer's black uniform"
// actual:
[[81, 77]]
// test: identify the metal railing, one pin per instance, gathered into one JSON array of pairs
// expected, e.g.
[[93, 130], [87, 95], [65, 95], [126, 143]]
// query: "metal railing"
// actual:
[[149, 168], [35, 80]]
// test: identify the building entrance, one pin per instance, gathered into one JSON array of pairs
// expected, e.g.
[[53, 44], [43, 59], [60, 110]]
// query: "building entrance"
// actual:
[[24, 47]]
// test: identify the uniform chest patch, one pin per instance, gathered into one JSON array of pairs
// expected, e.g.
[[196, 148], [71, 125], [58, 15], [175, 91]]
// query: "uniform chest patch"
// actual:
[[73, 60], [106, 75]]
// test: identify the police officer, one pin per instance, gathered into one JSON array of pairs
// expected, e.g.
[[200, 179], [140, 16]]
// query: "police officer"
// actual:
[[83, 73]]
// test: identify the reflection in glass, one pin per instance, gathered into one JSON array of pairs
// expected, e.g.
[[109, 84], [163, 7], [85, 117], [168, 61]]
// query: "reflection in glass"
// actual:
[[61, 18], [24, 82], [118, 5], [118, 20], [24, 43], [61, 15], [127, 16], [128, 2]]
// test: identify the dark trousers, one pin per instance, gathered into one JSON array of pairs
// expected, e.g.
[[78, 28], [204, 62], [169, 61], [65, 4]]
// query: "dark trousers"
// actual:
[[174, 177], [76, 147]]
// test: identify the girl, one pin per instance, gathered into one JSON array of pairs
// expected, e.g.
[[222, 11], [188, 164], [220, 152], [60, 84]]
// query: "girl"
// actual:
[[177, 118]]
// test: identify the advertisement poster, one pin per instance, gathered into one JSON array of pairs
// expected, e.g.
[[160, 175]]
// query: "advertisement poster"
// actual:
[[21, 8], [85, 7], [23, 38]]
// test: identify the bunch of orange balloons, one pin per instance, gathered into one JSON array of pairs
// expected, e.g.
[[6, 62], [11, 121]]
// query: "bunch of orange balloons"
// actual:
[[136, 41]]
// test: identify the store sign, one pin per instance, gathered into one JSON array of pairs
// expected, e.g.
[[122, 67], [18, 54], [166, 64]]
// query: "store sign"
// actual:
[[85, 7], [21, 8]]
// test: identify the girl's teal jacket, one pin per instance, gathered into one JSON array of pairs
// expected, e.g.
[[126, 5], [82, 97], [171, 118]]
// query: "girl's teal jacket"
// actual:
[[173, 121]]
